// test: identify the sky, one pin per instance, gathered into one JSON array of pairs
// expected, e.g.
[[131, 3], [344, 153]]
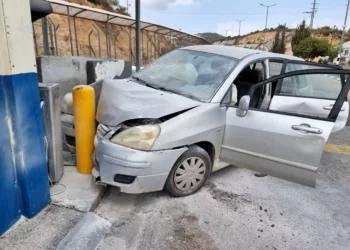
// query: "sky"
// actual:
[[198, 16]]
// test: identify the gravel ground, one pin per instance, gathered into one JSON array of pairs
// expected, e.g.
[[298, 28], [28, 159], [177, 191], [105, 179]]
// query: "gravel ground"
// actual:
[[236, 210], [44, 231]]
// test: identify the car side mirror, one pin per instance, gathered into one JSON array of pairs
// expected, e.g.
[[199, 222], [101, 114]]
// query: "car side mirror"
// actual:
[[243, 106]]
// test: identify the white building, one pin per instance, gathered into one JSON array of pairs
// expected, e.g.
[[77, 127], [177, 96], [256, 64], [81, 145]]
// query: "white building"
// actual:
[[345, 53]]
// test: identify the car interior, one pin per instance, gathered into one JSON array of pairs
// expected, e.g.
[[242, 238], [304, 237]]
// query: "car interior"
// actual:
[[215, 71], [248, 77]]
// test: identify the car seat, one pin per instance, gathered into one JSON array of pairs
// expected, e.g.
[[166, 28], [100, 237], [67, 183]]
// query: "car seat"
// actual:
[[247, 78]]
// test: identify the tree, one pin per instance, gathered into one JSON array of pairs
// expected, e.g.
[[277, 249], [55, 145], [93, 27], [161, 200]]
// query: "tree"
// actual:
[[276, 42], [312, 47], [302, 32], [279, 45], [122, 10], [113, 2], [112, 5], [282, 45], [332, 53]]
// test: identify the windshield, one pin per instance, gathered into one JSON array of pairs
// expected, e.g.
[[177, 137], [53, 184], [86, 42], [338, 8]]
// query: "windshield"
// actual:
[[193, 74]]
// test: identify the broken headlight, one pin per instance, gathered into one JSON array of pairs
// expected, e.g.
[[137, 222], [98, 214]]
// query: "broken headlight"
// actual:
[[139, 137]]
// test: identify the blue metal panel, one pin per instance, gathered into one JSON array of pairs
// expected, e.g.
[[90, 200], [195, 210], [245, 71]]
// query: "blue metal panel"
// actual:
[[23, 109], [9, 207]]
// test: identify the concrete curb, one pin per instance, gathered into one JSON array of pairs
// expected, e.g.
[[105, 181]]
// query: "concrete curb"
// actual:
[[86, 234], [102, 193], [80, 193]]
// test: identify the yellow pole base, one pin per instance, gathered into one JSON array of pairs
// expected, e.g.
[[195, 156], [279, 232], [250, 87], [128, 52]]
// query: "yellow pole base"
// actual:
[[85, 127]]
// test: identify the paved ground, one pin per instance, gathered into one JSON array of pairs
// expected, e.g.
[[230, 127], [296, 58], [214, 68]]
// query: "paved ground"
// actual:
[[237, 210], [45, 231]]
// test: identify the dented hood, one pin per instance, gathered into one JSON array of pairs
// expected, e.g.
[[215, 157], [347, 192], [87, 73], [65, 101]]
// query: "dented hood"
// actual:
[[122, 100]]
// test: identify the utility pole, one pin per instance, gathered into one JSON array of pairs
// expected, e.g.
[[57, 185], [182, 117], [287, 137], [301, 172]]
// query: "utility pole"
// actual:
[[312, 12], [239, 29], [127, 6], [226, 32], [267, 15], [344, 26]]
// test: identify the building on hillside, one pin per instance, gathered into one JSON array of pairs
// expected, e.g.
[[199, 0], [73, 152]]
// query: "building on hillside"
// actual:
[[345, 53]]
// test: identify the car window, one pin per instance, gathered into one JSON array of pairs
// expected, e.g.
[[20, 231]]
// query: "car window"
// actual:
[[275, 68], [313, 85], [190, 73]]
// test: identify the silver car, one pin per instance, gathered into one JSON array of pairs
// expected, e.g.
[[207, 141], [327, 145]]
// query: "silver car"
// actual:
[[200, 108]]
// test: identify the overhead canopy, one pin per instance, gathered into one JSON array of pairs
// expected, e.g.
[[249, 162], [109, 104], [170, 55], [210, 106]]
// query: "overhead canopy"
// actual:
[[81, 11], [39, 9]]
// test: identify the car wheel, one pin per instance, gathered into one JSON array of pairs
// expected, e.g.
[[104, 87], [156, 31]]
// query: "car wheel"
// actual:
[[189, 173]]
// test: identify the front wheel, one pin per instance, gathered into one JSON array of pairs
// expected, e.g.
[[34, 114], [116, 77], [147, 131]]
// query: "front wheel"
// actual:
[[189, 173]]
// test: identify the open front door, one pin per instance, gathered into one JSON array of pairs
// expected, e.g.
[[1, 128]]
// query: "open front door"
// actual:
[[285, 144]]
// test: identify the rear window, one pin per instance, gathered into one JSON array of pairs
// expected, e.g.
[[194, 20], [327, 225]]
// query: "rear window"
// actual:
[[323, 86]]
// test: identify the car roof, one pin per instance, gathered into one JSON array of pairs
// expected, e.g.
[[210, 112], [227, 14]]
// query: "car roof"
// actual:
[[236, 52]]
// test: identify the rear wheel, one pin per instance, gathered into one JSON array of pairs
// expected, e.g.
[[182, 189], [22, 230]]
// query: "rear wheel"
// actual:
[[189, 173]]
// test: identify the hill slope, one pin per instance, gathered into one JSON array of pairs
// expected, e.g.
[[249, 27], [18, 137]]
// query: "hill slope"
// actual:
[[255, 40], [211, 37]]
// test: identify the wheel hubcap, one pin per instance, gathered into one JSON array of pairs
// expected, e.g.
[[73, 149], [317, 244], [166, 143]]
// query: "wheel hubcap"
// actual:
[[189, 174]]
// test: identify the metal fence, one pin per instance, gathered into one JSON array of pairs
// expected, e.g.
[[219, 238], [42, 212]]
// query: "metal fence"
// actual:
[[155, 39]]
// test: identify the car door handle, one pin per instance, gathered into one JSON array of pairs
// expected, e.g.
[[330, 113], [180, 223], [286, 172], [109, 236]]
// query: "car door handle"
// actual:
[[330, 106], [307, 128]]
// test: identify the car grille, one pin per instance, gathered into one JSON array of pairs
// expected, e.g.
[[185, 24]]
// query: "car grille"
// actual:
[[101, 131]]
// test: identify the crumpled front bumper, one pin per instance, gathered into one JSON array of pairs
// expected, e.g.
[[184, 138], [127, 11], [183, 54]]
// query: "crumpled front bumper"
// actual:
[[150, 168]]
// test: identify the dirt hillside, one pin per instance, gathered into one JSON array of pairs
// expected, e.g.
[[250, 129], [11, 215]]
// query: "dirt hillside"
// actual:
[[254, 41]]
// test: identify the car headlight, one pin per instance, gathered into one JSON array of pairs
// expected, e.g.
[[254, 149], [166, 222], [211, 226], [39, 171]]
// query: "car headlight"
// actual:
[[139, 137]]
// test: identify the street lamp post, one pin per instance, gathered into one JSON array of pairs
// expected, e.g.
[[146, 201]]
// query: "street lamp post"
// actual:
[[267, 15], [138, 33]]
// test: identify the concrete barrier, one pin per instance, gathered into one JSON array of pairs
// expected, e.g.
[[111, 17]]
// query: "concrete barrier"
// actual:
[[101, 69], [71, 71]]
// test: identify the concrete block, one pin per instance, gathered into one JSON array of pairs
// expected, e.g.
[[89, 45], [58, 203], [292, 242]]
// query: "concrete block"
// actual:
[[103, 69], [86, 234], [68, 71], [80, 192]]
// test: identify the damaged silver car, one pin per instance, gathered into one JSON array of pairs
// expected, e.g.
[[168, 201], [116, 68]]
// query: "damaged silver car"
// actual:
[[177, 120]]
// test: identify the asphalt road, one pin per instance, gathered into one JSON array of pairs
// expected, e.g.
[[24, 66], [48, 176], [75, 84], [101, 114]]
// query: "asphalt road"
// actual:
[[236, 210]]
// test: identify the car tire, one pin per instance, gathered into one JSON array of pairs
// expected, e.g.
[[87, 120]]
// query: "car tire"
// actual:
[[189, 172]]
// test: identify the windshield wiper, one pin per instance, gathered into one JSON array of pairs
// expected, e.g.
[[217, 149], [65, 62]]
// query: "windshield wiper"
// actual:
[[144, 82], [180, 93], [165, 89], [139, 79]]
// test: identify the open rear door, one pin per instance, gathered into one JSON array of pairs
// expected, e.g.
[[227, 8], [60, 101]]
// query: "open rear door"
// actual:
[[285, 144], [310, 94]]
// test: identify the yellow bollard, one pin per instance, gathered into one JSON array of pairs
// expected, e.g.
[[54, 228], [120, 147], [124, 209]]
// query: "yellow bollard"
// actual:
[[85, 127]]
